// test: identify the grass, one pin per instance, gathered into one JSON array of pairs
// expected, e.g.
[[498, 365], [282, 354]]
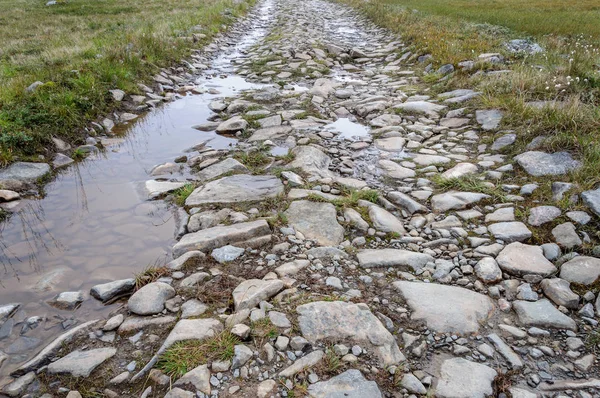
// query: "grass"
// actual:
[[150, 274], [180, 195], [82, 49], [186, 355], [254, 159], [470, 183], [350, 199], [262, 331]]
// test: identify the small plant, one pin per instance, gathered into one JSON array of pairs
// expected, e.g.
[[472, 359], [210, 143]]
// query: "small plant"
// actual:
[[151, 274], [263, 330], [470, 183], [186, 355], [255, 160], [78, 154], [278, 220], [181, 194]]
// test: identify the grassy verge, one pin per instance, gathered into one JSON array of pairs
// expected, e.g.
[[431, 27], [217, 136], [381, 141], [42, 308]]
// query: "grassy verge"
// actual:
[[567, 72], [82, 49]]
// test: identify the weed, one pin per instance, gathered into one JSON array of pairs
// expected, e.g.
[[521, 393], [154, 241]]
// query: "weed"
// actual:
[[262, 331], [503, 381], [78, 154], [186, 355], [150, 274], [278, 220], [181, 194], [470, 183], [255, 160]]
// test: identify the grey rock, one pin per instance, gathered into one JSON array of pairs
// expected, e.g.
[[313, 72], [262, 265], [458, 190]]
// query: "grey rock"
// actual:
[[81, 363], [455, 200], [551, 251], [350, 384], [316, 221], [404, 259], [489, 119], [566, 235], [305, 362], [270, 133], [25, 172], [582, 269], [406, 202], [150, 299], [177, 392], [67, 300], [311, 160], [524, 46], [580, 217], [503, 141], [347, 321], [514, 231], [156, 189], [413, 384], [236, 189], [446, 309], [249, 293], [542, 314], [511, 357], [460, 170], [107, 291], [392, 169], [461, 378], [232, 125], [543, 214], [559, 291], [291, 268], [519, 259], [193, 308], [241, 355], [542, 164], [385, 221], [592, 200], [229, 165], [227, 253], [488, 271], [17, 387], [428, 108]]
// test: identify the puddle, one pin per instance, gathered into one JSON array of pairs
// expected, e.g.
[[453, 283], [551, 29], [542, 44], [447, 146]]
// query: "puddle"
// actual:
[[279, 151], [348, 129], [94, 225]]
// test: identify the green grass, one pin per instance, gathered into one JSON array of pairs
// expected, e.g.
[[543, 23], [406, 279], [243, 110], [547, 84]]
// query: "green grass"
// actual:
[[186, 355], [470, 183], [150, 274], [350, 199], [181, 194], [80, 50]]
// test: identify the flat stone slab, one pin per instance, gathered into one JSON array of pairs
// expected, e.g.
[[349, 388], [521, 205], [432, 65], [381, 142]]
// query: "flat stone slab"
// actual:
[[350, 384], [543, 164], [446, 309], [236, 189], [385, 221], [391, 144], [582, 269], [455, 200], [229, 165], [81, 363], [394, 170], [543, 214], [461, 378], [428, 108], [542, 314], [489, 119], [270, 133], [110, 290], [513, 231], [24, 171], [249, 293], [428, 160], [519, 259], [592, 200], [316, 221], [246, 234], [404, 259], [311, 160], [154, 188], [460, 170], [342, 320]]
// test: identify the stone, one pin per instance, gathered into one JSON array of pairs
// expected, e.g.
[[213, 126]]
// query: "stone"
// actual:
[[390, 144], [559, 291], [113, 323], [150, 299], [489, 119], [488, 271], [542, 314], [293, 179], [316, 221], [543, 214], [270, 133], [455, 200], [446, 309], [520, 259], [155, 189], [227, 253], [311, 161], [348, 321], [303, 363], [355, 219], [291, 268], [193, 308], [592, 200], [265, 388], [81, 363], [581, 269], [413, 384], [350, 384], [511, 357], [501, 215], [580, 217], [232, 125], [236, 189], [26, 172], [18, 386], [459, 377], [249, 293], [107, 291], [8, 196], [540, 164], [566, 235], [430, 160], [406, 202], [241, 355], [61, 161], [279, 319], [404, 259], [428, 108], [503, 141], [134, 323], [177, 392], [392, 169], [326, 252], [385, 221], [246, 234], [460, 170], [514, 231], [229, 165], [68, 300]]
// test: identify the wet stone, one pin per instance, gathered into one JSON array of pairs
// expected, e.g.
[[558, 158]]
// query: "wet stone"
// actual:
[[236, 189], [81, 363]]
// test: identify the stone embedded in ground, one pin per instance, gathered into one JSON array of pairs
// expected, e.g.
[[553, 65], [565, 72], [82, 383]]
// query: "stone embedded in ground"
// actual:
[[270, 133], [582, 269], [17, 387], [25, 172], [291, 268], [514, 231], [236, 189], [390, 144], [385, 221], [307, 361], [428, 160], [455, 200], [559, 291], [350, 384], [247, 234], [503, 141], [81, 363], [488, 271], [311, 160], [107, 291], [489, 119], [446, 309], [316, 221], [428, 108], [460, 170], [344, 321], [566, 235], [406, 202], [461, 378], [265, 388], [241, 355], [542, 314], [520, 259], [229, 165], [326, 252], [134, 323], [592, 200], [150, 299], [504, 349], [249, 293], [392, 169], [542, 164], [543, 214], [227, 253], [403, 259]]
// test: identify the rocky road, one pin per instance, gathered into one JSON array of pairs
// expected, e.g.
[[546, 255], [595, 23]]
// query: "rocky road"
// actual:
[[324, 246]]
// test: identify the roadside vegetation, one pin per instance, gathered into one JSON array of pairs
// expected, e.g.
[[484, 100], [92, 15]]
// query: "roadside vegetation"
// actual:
[[566, 73], [80, 50]]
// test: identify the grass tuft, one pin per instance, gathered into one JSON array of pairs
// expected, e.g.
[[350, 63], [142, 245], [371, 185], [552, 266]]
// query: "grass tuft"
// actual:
[[470, 183], [180, 195], [150, 274]]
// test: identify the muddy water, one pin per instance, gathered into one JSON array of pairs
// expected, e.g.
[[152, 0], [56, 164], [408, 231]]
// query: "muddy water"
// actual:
[[94, 223]]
